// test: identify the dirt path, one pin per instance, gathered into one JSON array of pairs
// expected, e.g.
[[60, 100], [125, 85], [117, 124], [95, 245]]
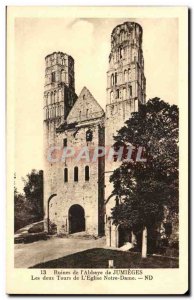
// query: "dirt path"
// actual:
[[27, 255]]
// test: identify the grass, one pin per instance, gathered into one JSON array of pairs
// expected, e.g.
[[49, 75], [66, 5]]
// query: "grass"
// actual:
[[98, 258]]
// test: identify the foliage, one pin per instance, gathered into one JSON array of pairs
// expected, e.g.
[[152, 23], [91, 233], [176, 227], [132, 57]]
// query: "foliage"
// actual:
[[33, 190], [144, 188], [28, 207]]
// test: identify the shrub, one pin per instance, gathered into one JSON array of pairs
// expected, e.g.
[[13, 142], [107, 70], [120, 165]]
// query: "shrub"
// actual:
[[52, 228]]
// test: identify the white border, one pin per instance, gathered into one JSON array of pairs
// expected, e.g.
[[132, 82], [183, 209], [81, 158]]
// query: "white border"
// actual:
[[3, 4]]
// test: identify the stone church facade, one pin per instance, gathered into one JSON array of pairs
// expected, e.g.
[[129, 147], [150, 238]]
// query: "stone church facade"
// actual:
[[77, 192]]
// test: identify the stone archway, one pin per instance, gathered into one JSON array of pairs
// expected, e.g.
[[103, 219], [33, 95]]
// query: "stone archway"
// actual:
[[76, 219]]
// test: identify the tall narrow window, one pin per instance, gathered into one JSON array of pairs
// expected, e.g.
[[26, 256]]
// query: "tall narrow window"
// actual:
[[129, 74], [66, 175], [64, 142], [117, 94], [130, 90], [120, 52], [112, 79], [115, 78], [53, 76], [87, 173], [76, 174], [89, 135]]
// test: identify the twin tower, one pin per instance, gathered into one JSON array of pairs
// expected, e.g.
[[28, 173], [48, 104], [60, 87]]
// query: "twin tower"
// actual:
[[77, 194]]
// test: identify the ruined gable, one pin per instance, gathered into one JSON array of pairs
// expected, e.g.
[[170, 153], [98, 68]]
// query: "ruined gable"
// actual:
[[85, 108]]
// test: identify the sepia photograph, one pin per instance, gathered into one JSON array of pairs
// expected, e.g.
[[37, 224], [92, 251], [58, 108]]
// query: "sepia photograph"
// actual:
[[97, 140]]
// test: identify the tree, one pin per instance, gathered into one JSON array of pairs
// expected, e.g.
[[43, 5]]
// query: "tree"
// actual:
[[19, 208], [144, 188], [28, 207], [33, 190]]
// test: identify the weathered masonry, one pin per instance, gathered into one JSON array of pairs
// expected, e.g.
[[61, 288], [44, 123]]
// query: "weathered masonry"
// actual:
[[77, 193]]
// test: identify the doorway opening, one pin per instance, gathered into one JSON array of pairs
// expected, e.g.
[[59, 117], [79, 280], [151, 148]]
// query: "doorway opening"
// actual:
[[76, 219]]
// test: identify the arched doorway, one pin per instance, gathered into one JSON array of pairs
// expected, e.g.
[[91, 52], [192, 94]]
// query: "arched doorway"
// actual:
[[76, 219]]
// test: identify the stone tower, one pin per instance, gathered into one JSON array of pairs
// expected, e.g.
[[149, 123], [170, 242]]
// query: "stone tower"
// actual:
[[126, 86], [125, 77], [59, 88], [59, 97]]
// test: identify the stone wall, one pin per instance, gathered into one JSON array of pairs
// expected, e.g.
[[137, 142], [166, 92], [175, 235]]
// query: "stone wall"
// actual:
[[85, 115]]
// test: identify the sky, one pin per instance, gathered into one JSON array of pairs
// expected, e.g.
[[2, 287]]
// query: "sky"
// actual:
[[88, 42]]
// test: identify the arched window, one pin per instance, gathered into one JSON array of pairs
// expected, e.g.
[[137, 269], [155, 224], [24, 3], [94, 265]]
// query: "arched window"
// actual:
[[64, 142], [87, 111], [112, 79], [66, 175], [117, 93], [120, 52], [89, 135], [129, 74], [76, 174], [130, 90], [53, 78], [87, 173], [115, 78]]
